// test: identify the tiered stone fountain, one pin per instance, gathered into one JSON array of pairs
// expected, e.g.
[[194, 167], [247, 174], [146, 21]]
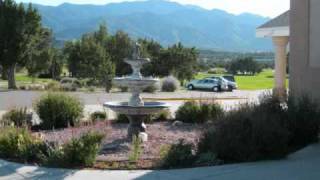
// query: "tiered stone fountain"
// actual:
[[136, 110]]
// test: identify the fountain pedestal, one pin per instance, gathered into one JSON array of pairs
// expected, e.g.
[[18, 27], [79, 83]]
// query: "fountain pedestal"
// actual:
[[136, 125]]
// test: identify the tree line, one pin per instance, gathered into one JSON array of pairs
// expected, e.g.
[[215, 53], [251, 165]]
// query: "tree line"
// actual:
[[97, 56]]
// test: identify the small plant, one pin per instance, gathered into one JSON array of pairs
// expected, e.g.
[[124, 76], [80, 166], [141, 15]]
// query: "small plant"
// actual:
[[170, 84], [193, 112], [210, 112], [188, 112], [19, 144], [152, 88], [77, 152], [53, 86], [58, 110], [123, 89], [178, 156], [136, 149], [91, 89], [164, 115], [18, 117], [98, 116]]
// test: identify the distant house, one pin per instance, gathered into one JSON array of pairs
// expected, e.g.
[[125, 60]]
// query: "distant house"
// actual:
[[301, 27]]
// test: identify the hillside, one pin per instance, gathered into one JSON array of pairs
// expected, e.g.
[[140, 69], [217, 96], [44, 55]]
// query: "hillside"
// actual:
[[163, 21]]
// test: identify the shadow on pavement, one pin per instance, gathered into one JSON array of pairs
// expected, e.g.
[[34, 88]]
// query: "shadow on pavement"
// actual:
[[9, 170]]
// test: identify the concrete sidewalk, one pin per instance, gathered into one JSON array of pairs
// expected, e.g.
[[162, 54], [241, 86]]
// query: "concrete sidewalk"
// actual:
[[303, 165]]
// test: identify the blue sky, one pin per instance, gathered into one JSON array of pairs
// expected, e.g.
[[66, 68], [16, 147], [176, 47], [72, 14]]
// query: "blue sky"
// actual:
[[270, 8]]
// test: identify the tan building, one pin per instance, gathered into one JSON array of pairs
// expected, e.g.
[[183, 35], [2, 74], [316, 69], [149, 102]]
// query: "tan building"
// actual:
[[300, 27]]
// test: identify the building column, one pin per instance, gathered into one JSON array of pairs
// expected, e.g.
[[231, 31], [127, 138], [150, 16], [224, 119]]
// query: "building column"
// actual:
[[280, 75]]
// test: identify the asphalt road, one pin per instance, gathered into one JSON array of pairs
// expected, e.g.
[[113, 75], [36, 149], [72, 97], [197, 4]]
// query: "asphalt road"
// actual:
[[11, 99]]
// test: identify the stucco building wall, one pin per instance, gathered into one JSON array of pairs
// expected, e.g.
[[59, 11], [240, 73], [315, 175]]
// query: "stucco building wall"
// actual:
[[305, 48]]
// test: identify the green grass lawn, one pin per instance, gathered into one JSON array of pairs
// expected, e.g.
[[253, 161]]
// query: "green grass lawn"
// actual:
[[27, 79], [24, 79], [264, 80]]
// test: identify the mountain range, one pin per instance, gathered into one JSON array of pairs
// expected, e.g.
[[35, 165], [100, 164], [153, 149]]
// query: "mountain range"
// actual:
[[164, 21]]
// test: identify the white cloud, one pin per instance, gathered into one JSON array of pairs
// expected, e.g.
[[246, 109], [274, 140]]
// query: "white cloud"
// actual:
[[269, 8]]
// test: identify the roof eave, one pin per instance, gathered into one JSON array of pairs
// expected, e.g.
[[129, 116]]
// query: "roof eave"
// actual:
[[273, 31]]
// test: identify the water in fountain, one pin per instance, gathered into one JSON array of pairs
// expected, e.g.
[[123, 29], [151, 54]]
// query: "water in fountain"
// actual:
[[136, 110]]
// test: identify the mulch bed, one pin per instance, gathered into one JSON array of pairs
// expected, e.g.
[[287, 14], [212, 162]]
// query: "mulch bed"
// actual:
[[116, 146]]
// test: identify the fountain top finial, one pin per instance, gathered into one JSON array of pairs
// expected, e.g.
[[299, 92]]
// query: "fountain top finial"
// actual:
[[137, 51]]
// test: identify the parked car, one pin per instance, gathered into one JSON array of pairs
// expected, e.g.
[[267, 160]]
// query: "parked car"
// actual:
[[229, 80], [70, 84], [208, 84]]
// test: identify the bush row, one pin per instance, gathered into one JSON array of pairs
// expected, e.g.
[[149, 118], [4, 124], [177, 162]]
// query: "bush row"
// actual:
[[20, 144], [269, 130]]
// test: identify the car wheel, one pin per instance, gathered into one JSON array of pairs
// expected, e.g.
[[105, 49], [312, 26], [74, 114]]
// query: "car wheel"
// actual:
[[190, 87], [215, 89], [230, 88]]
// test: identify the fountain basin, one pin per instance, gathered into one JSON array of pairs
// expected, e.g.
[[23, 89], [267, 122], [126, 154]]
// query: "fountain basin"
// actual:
[[131, 82], [147, 109]]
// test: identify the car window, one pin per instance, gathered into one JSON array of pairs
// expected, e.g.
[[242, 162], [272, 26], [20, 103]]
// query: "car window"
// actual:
[[65, 81], [206, 81], [229, 78], [211, 81], [201, 81]]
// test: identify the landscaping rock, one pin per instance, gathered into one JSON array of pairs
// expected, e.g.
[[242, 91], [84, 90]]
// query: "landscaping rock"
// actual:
[[143, 136]]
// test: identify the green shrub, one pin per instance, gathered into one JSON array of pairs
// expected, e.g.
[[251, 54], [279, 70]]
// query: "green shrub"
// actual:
[[217, 71], [76, 153], [123, 89], [210, 112], [158, 117], [58, 110], [164, 115], [98, 116], [170, 84], [303, 121], [54, 86], [136, 149], [188, 112], [152, 88], [17, 117], [178, 156], [250, 133], [19, 144], [82, 151], [193, 112], [91, 89]]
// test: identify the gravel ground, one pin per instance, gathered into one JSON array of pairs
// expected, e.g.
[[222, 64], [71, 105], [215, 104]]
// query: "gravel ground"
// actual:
[[116, 146]]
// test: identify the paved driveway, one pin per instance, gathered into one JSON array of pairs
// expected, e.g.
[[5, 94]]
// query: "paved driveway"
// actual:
[[11, 99], [94, 101]]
